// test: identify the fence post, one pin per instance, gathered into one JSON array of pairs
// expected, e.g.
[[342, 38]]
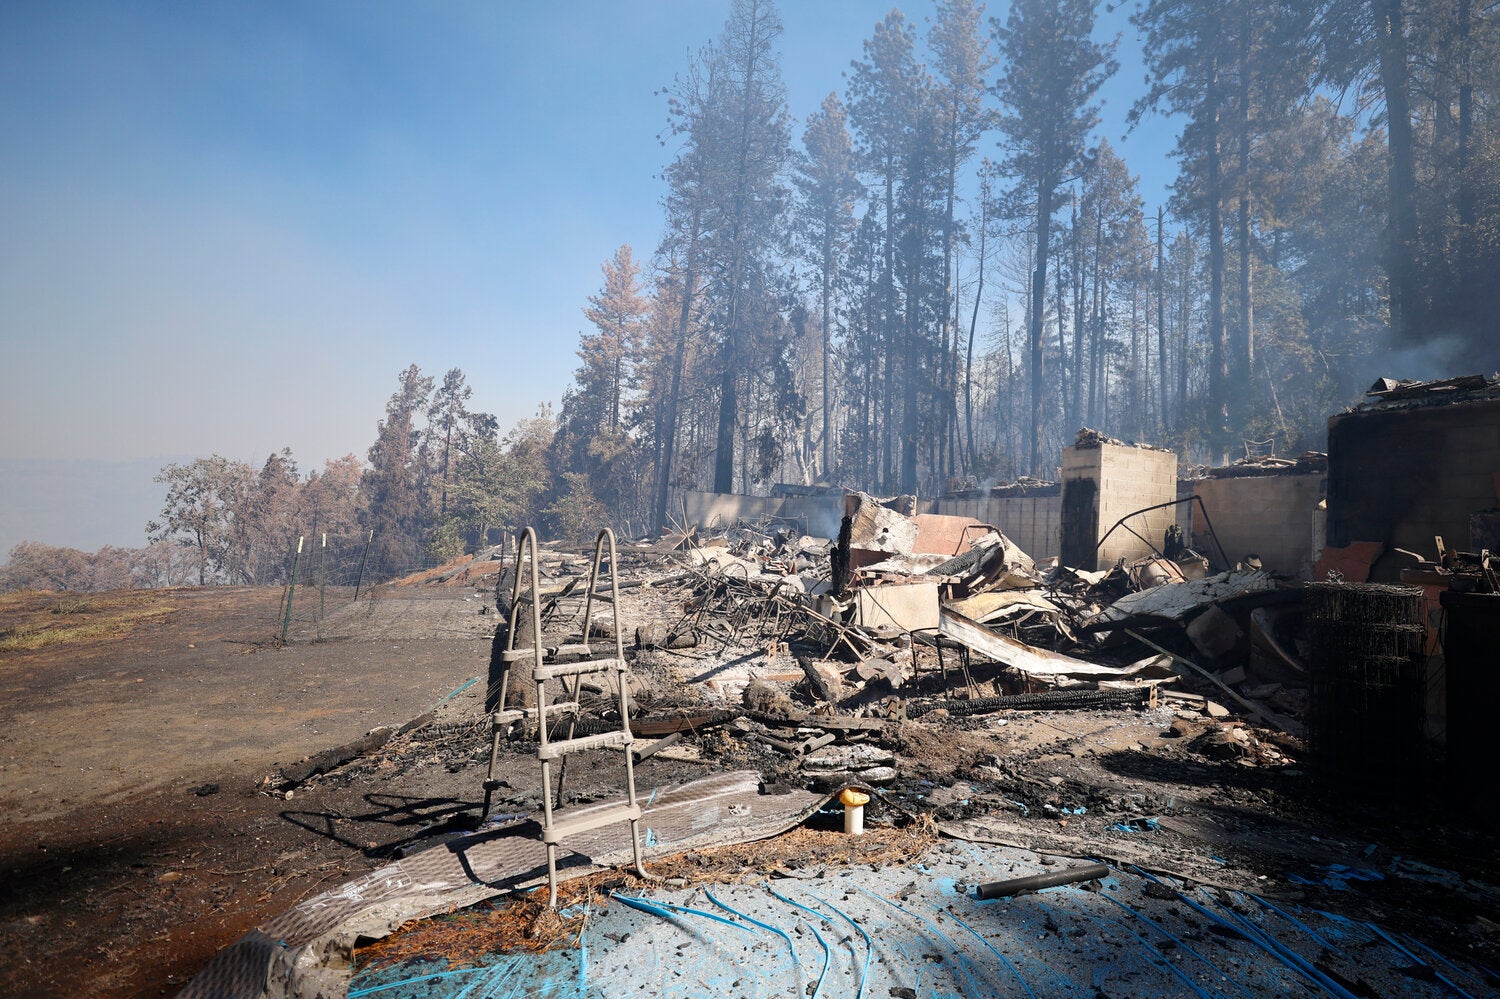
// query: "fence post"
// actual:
[[286, 622], [361, 577], [322, 576]]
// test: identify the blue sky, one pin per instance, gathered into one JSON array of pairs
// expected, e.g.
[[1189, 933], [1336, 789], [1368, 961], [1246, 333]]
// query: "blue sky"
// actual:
[[227, 227]]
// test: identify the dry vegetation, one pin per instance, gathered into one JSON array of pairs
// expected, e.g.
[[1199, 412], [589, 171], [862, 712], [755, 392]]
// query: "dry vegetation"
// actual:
[[38, 619]]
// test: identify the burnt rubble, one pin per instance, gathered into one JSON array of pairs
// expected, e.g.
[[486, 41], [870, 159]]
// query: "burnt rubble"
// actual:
[[1156, 714], [1158, 711], [812, 657]]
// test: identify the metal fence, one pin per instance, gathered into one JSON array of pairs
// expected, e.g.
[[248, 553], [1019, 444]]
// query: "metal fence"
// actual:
[[326, 573]]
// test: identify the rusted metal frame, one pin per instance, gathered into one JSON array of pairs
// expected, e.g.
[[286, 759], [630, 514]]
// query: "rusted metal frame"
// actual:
[[694, 616], [733, 615], [758, 605], [764, 610], [1224, 559], [839, 629], [784, 621]]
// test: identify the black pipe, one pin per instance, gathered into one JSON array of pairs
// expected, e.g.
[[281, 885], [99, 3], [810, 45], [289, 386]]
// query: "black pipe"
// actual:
[[1066, 876], [1195, 498]]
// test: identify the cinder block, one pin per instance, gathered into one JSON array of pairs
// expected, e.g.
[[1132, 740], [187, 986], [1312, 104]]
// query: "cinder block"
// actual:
[[1472, 439]]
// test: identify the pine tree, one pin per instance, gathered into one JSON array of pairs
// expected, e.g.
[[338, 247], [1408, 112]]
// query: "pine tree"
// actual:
[[1189, 56], [1109, 233], [885, 96], [1052, 71], [745, 139], [446, 413], [617, 313], [397, 505], [961, 60], [828, 183]]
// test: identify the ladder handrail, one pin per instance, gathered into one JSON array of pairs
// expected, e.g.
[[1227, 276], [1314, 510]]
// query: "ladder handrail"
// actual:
[[526, 541]]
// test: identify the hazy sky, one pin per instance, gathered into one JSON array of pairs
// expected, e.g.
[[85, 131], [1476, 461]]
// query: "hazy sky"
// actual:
[[226, 228]]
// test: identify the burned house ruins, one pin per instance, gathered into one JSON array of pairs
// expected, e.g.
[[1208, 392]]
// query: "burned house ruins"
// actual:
[[839, 726]]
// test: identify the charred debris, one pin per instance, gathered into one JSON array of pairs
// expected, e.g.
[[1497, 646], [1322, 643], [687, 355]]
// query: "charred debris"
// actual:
[[824, 660], [854, 640]]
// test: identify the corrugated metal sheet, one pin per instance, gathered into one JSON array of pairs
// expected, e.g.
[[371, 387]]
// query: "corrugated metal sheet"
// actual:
[[287, 955]]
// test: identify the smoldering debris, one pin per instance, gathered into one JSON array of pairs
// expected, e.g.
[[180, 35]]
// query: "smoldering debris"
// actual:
[[760, 643]]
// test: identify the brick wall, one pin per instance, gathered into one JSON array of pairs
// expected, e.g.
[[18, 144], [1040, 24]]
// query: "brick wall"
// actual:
[[1102, 485], [1267, 515]]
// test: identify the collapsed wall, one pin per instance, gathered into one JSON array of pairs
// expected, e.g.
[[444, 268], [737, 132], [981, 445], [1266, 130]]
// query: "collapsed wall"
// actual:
[[1266, 509], [1412, 467]]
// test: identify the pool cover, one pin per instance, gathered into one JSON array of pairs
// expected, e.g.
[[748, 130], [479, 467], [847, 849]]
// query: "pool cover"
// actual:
[[916, 930]]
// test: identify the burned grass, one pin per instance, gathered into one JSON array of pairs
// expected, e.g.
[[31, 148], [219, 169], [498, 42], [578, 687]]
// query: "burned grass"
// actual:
[[33, 619]]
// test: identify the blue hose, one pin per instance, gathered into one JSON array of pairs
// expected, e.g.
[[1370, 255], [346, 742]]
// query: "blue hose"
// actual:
[[1439, 975], [1297, 923], [1164, 932], [864, 974], [1263, 940], [796, 963]]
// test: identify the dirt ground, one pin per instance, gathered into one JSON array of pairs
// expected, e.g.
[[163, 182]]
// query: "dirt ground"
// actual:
[[138, 839], [149, 822]]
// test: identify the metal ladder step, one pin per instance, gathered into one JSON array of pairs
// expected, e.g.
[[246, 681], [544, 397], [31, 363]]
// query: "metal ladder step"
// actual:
[[582, 744], [551, 671], [511, 715], [572, 825]]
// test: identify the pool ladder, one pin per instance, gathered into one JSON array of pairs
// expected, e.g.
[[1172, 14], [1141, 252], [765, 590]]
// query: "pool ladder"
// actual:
[[526, 597]]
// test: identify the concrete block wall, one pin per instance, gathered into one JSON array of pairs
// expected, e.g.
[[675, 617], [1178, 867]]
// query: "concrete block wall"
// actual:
[[1034, 523], [1402, 476], [1267, 515], [1135, 478], [1104, 483], [718, 510]]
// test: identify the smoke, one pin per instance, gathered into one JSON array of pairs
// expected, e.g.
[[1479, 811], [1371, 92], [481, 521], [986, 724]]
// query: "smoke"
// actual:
[[1441, 355], [823, 521]]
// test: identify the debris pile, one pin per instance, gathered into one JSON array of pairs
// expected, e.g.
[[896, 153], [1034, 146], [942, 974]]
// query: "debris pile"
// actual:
[[808, 657], [929, 669]]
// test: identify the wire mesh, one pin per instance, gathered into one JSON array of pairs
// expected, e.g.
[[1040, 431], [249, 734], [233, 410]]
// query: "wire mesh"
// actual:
[[1367, 711], [332, 587]]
